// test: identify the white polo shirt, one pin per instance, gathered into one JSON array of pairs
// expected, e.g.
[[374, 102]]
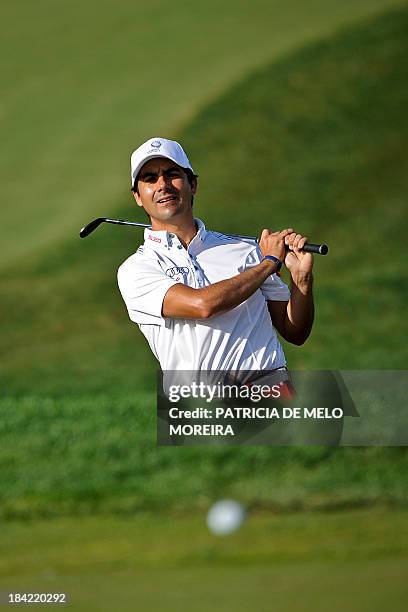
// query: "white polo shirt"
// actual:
[[241, 339]]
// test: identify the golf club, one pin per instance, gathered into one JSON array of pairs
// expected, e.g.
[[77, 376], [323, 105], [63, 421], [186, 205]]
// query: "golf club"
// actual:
[[309, 247]]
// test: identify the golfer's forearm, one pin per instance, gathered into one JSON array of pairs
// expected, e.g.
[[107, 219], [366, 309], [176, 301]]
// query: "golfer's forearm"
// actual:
[[300, 311], [185, 302]]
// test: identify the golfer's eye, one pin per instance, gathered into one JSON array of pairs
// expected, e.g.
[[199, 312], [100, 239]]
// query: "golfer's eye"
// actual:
[[149, 178]]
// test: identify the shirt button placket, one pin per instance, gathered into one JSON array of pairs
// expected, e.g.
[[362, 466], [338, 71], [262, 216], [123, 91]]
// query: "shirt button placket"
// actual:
[[194, 270]]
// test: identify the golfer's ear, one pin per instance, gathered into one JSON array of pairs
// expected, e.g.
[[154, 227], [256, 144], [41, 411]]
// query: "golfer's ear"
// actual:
[[194, 185], [138, 199]]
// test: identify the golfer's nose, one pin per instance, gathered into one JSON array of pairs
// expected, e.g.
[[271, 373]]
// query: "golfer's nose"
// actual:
[[161, 181]]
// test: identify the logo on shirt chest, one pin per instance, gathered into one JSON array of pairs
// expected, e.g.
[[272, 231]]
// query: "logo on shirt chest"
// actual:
[[177, 270]]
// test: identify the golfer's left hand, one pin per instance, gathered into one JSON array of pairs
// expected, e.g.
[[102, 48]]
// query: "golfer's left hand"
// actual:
[[298, 263]]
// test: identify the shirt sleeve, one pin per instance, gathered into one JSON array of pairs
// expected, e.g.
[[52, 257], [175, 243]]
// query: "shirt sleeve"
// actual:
[[273, 288], [143, 286]]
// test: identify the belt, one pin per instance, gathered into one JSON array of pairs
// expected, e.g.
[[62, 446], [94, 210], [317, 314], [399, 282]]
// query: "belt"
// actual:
[[279, 377]]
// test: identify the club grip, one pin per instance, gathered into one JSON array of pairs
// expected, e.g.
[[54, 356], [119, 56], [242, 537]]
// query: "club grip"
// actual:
[[321, 249]]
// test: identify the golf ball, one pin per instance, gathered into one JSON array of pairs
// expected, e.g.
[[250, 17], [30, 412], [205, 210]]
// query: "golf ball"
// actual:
[[225, 516]]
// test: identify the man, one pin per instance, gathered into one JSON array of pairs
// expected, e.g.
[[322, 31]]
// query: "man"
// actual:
[[204, 300]]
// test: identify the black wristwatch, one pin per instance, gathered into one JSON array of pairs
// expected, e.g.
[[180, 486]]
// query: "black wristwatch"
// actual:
[[276, 260]]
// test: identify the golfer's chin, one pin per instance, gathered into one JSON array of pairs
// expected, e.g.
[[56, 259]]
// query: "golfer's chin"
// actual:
[[169, 210]]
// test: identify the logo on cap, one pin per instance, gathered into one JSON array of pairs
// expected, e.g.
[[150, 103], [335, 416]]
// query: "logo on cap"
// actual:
[[156, 144]]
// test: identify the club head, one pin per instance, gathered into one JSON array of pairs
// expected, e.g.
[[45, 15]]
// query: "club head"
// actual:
[[91, 226]]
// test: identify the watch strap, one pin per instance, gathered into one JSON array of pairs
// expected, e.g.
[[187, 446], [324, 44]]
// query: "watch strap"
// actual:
[[274, 259]]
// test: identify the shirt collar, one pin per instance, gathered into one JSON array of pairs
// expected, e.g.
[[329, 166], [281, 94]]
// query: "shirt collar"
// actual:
[[167, 241]]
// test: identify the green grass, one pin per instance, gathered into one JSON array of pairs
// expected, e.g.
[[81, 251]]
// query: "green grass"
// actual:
[[98, 454], [324, 132], [298, 562], [86, 81], [316, 140]]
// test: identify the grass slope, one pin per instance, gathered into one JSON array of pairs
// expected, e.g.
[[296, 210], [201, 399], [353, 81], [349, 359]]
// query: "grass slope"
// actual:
[[83, 81], [323, 132], [317, 141]]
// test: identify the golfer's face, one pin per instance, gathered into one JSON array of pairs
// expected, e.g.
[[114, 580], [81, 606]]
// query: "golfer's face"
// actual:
[[164, 189]]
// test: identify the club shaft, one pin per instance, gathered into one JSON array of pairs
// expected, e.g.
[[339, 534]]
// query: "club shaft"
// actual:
[[309, 247]]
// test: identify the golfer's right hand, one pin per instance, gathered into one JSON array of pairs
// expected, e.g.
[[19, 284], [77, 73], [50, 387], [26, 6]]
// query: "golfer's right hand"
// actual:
[[273, 243]]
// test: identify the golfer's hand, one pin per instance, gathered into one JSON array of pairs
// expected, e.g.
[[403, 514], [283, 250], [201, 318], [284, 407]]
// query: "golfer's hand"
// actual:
[[298, 263], [273, 243]]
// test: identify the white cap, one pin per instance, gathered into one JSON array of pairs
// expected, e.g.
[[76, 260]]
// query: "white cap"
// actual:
[[157, 147]]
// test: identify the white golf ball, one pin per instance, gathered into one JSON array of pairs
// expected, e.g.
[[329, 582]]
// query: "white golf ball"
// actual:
[[225, 516]]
